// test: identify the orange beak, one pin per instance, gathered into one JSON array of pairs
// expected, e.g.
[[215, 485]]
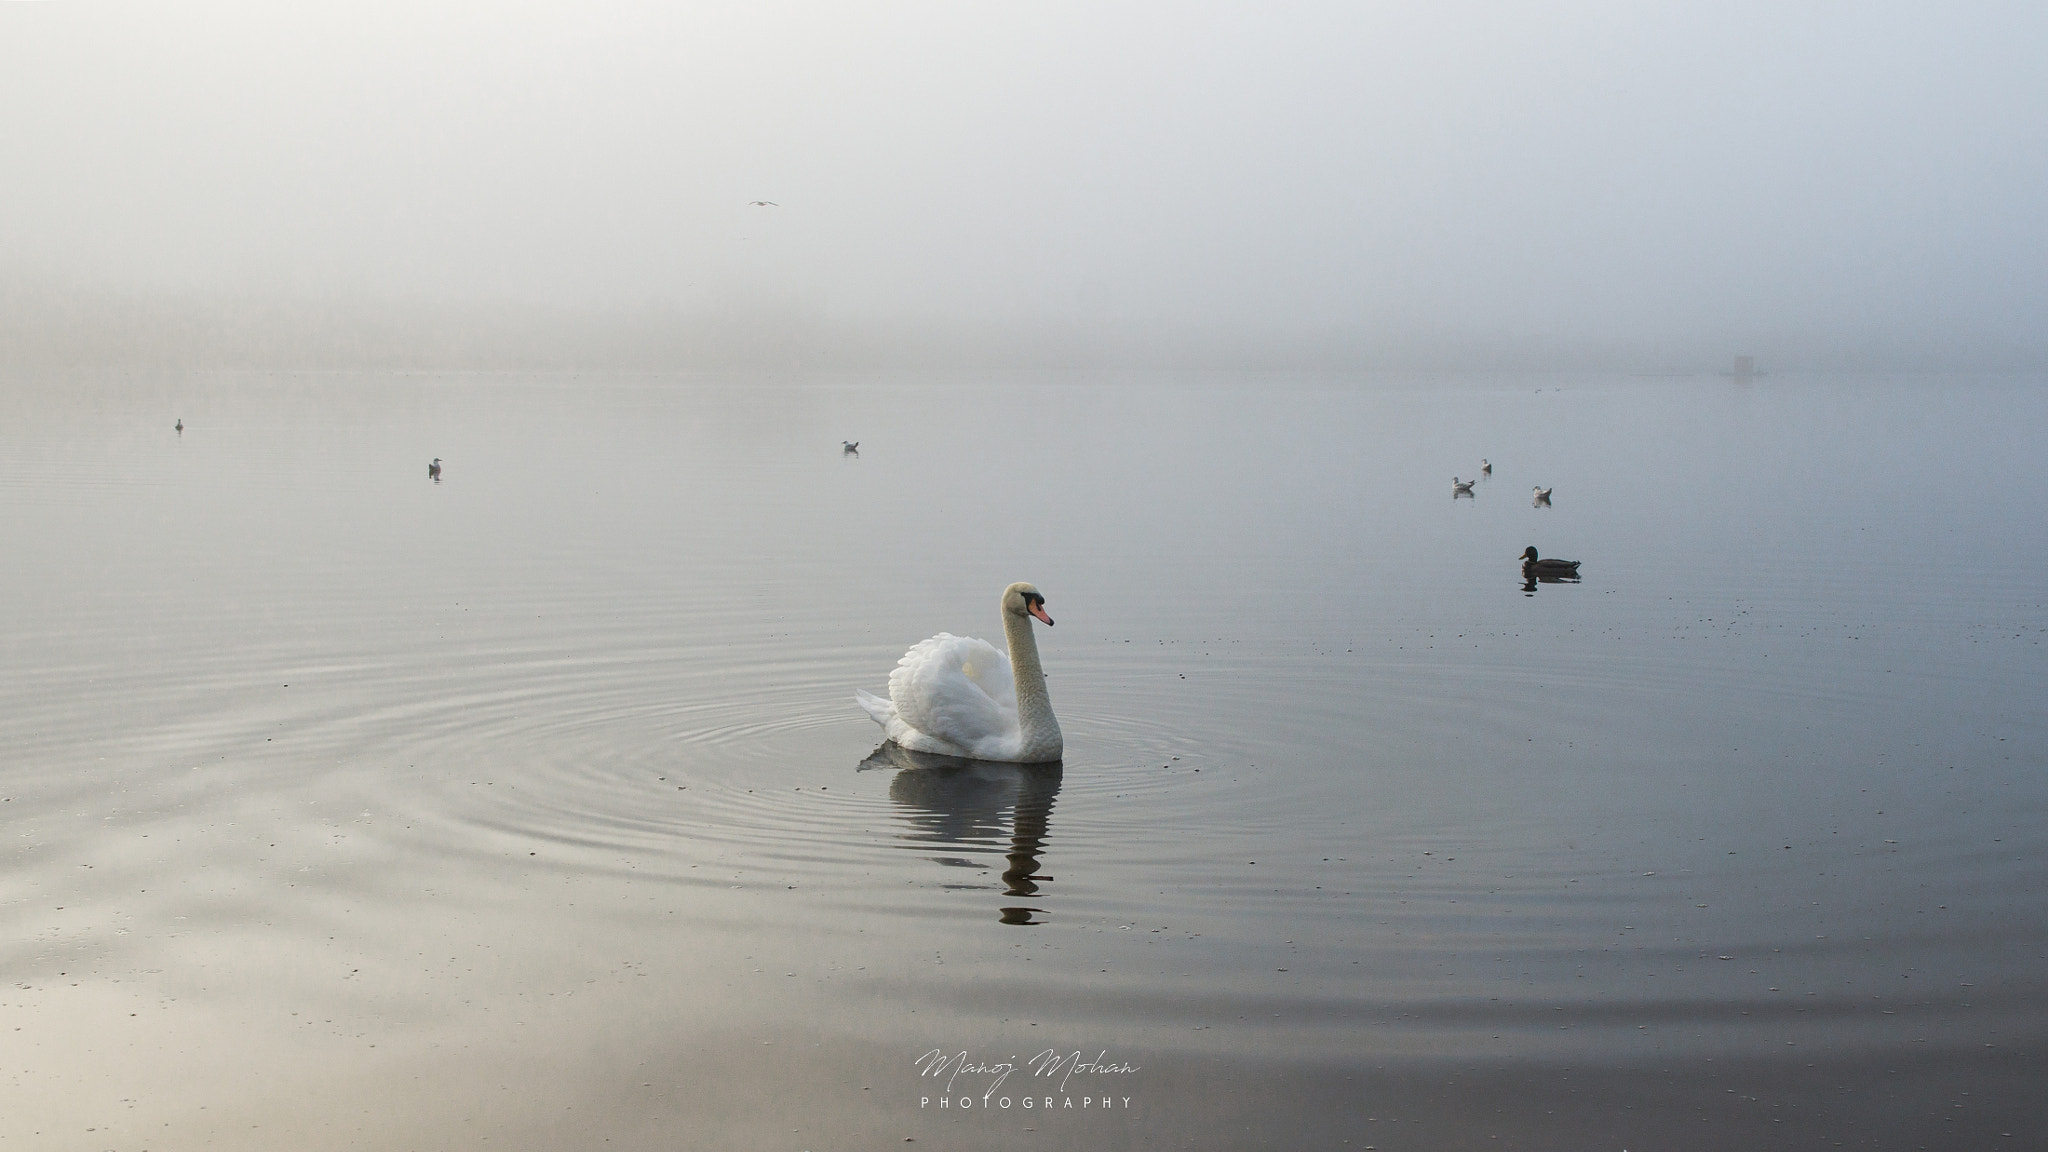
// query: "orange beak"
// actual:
[[1038, 610]]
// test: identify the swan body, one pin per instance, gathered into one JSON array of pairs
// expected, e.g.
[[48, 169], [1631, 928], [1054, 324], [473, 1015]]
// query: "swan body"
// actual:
[[1532, 565], [958, 696]]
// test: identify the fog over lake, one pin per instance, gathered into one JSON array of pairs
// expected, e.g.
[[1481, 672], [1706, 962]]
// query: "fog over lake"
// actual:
[[525, 803], [1371, 185]]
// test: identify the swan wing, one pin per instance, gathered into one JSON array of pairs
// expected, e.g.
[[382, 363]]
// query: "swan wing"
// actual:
[[953, 690], [881, 710]]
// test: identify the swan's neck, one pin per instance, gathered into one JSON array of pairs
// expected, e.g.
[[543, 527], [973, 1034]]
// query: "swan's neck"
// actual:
[[1035, 720]]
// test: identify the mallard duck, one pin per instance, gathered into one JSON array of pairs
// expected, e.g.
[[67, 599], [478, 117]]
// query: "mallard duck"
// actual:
[[1461, 487], [1532, 565]]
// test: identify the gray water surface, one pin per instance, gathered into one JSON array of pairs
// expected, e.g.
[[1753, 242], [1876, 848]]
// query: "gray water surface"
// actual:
[[530, 808]]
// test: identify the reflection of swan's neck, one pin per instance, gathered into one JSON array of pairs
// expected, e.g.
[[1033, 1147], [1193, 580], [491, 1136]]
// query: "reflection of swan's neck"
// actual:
[[1034, 706]]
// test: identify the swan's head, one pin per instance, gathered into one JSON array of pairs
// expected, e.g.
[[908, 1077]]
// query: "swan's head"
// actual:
[[1024, 600]]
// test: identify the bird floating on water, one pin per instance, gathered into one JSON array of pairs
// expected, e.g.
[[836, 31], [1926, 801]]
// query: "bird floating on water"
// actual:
[[1485, 466], [434, 469], [180, 425], [1542, 495], [1533, 565], [958, 696], [1461, 487], [849, 448], [762, 204]]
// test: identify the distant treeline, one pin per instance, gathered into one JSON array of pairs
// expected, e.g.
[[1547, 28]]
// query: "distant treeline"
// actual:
[[40, 327], [44, 327]]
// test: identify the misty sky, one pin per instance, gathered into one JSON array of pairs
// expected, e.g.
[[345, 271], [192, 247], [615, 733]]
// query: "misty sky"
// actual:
[[1711, 176]]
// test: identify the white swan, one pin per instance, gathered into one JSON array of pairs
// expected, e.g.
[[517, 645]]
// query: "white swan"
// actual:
[[958, 696]]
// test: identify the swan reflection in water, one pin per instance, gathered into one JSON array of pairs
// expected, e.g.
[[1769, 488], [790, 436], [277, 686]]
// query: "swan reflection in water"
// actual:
[[952, 801]]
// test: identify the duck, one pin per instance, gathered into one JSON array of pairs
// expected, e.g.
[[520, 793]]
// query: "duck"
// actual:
[[1532, 565], [1485, 466], [1461, 487], [1542, 496], [959, 696], [849, 447], [180, 425], [434, 469]]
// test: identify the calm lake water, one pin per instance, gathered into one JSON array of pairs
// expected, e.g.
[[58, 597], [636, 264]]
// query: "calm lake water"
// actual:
[[531, 808]]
